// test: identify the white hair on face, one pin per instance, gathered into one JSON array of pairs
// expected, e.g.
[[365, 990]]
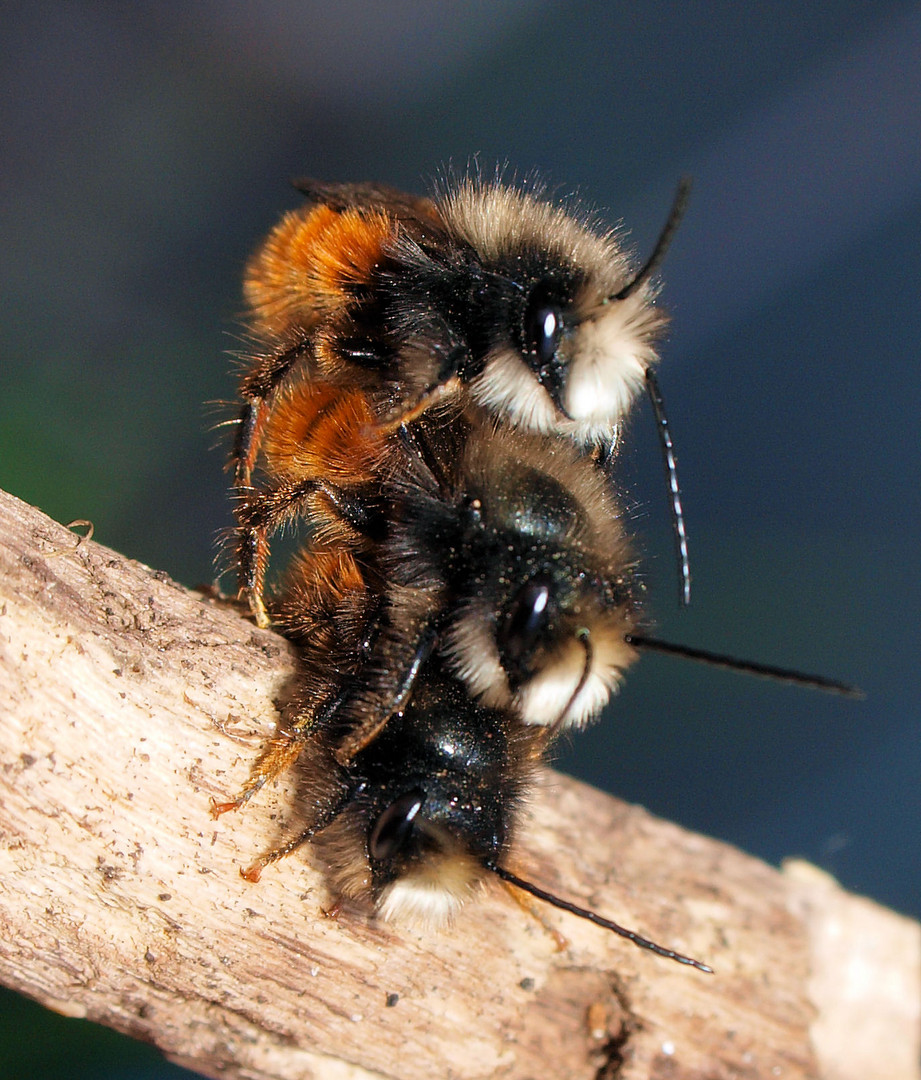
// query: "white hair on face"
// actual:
[[470, 645], [432, 893], [613, 340], [509, 387], [544, 699], [608, 367]]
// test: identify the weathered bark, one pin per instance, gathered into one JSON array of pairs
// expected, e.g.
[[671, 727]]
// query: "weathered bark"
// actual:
[[127, 701]]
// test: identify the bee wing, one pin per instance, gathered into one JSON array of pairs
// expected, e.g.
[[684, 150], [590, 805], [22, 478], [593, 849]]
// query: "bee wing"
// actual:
[[398, 204]]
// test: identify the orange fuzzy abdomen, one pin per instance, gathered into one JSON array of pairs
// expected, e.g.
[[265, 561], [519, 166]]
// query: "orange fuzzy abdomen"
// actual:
[[312, 264], [324, 603], [325, 432]]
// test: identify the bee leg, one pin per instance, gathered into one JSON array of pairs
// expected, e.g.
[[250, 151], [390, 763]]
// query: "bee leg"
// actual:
[[257, 387], [251, 425], [373, 724], [254, 871], [451, 354], [266, 374], [278, 755], [605, 455], [252, 550], [252, 557], [422, 404], [264, 512], [560, 941]]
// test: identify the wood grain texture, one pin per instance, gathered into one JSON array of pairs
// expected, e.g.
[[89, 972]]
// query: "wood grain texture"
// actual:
[[127, 701]]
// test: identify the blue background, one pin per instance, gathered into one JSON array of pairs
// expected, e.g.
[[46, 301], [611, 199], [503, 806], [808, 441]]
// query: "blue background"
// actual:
[[146, 149]]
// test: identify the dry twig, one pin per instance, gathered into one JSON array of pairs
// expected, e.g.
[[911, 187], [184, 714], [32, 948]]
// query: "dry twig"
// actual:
[[128, 701]]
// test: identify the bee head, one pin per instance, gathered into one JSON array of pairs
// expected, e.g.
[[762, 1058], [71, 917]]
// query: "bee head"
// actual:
[[427, 848], [560, 335], [543, 581], [435, 795]]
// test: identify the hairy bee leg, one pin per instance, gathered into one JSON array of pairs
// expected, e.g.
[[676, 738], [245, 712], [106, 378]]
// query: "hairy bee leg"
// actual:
[[254, 871], [252, 558], [268, 374], [369, 729], [280, 754], [266, 511], [422, 404], [252, 547], [258, 386], [250, 428], [314, 436]]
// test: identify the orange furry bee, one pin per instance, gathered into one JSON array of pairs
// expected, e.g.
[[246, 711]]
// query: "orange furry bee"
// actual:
[[438, 392], [372, 307]]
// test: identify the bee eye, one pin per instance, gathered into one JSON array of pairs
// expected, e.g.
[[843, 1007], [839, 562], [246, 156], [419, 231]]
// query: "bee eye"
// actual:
[[543, 328], [395, 825], [526, 620]]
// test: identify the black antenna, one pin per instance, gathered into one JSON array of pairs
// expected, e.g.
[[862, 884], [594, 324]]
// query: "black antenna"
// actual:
[[671, 478], [679, 205], [746, 667], [594, 917]]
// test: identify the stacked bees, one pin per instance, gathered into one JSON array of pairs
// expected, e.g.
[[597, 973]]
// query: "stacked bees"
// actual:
[[436, 398]]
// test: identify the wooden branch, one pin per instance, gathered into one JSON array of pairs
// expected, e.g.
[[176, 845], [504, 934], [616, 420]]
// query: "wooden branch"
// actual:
[[128, 701]]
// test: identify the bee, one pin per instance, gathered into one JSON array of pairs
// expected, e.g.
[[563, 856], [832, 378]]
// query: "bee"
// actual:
[[509, 556], [420, 818], [503, 552], [370, 308]]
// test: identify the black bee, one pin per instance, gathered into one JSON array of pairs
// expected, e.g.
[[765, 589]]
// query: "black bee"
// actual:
[[503, 552], [508, 555], [415, 823]]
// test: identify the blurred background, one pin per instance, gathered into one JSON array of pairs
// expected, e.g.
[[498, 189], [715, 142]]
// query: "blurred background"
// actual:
[[148, 146]]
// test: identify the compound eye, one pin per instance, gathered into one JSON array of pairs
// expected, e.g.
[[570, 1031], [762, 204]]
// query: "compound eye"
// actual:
[[543, 327], [394, 827], [527, 619]]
